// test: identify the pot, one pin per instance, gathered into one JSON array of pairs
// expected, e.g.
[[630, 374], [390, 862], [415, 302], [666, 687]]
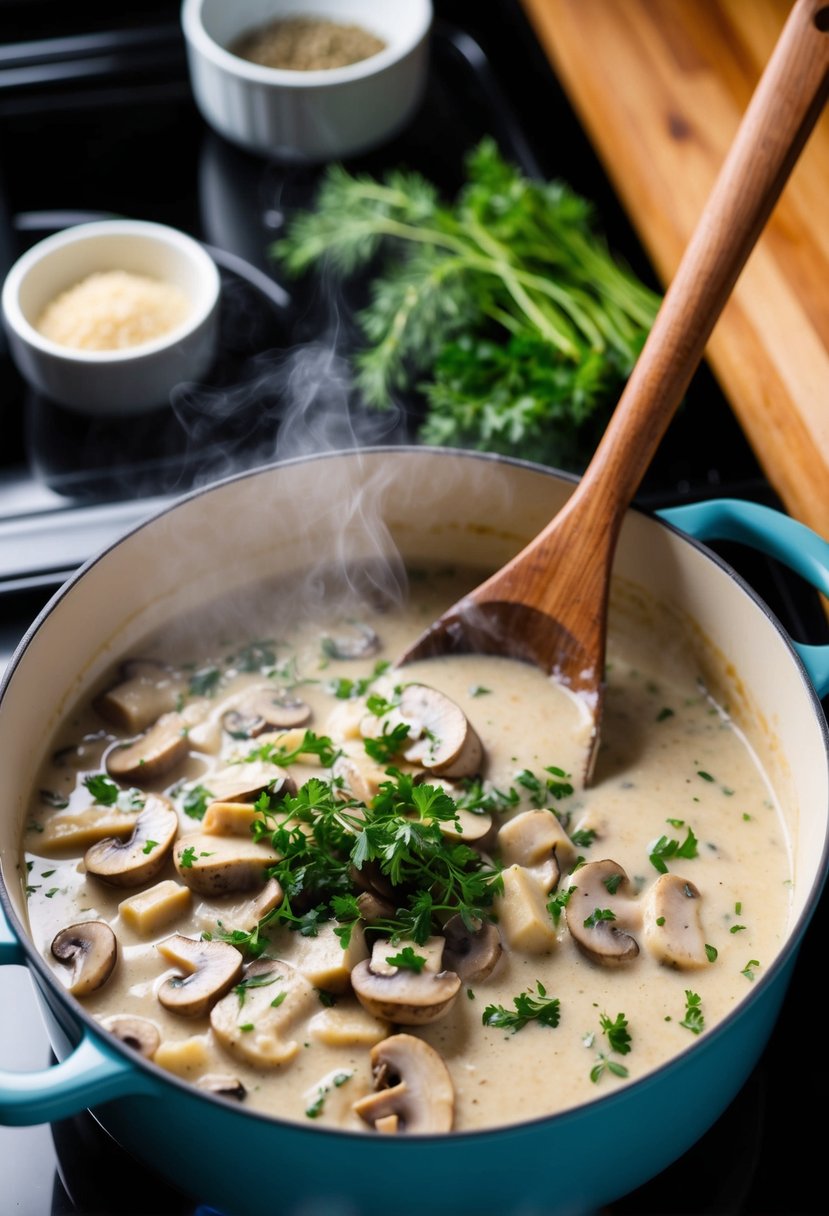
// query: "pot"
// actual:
[[435, 505]]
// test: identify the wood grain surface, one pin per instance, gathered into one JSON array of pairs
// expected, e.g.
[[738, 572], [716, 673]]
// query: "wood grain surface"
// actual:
[[660, 87]]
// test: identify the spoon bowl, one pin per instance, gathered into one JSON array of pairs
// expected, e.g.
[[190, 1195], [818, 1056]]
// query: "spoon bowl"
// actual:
[[548, 606]]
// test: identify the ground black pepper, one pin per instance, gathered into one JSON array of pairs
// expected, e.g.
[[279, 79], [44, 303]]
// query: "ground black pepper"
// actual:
[[306, 44]]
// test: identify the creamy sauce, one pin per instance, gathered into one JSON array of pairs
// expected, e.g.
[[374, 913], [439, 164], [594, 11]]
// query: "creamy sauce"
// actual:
[[670, 763]]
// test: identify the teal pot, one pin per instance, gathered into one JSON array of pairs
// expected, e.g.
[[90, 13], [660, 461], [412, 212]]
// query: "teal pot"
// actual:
[[442, 506]]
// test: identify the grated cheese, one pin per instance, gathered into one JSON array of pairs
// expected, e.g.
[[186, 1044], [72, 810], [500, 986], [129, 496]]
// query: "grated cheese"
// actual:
[[113, 309]]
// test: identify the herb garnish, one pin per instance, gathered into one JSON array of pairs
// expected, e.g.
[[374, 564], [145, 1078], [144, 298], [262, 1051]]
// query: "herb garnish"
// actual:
[[619, 1040], [407, 959], [527, 1007], [323, 838], [507, 302], [107, 793], [194, 803], [664, 850], [693, 1020]]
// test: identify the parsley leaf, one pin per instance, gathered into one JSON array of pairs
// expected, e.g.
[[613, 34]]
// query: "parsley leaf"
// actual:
[[693, 1020], [527, 1007], [664, 850], [407, 959]]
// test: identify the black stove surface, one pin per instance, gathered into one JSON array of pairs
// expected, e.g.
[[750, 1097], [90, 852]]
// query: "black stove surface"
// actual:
[[98, 119]]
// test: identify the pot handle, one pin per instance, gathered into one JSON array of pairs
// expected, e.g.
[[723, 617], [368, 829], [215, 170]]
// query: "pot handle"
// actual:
[[91, 1074], [778, 536]]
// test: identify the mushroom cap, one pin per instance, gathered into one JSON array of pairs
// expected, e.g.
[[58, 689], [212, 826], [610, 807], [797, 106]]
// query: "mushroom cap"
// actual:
[[447, 743], [263, 708], [413, 1088], [91, 949], [136, 860], [246, 780], [210, 968], [406, 997], [605, 941], [678, 941], [473, 954], [223, 1085], [360, 774], [140, 1034], [256, 1026], [220, 865], [151, 755]]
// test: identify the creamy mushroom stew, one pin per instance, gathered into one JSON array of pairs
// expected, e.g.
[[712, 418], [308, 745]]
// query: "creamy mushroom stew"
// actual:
[[382, 899]]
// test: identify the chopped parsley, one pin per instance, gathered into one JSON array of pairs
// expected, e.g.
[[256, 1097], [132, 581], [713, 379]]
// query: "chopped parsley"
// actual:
[[194, 803], [407, 959], [693, 1020], [106, 793], [528, 1007], [619, 1041], [665, 850]]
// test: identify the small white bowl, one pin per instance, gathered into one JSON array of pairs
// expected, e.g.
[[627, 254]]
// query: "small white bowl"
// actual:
[[307, 116], [130, 379]]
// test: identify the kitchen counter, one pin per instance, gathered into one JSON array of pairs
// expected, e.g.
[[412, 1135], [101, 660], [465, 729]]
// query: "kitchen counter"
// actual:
[[660, 87]]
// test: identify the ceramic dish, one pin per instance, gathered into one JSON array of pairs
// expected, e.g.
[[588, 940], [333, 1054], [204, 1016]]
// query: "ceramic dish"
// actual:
[[307, 115]]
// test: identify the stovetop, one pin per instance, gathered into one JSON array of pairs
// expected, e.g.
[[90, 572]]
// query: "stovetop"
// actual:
[[97, 118]]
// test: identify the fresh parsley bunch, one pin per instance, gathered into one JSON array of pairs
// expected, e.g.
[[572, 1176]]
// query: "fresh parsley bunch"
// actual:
[[505, 308]]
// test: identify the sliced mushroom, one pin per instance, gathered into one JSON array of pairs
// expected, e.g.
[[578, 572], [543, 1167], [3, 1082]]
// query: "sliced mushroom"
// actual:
[[220, 865], [269, 897], [600, 887], [223, 1085], [255, 1025], [673, 930], [360, 776], [373, 908], [414, 1091], [210, 969], [152, 754], [90, 948], [245, 781], [147, 689], [536, 840], [265, 708], [468, 828], [140, 1034], [472, 953], [361, 644], [136, 860], [399, 994], [444, 740]]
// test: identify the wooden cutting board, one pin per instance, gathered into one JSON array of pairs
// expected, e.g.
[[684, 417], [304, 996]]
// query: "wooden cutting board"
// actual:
[[660, 87]]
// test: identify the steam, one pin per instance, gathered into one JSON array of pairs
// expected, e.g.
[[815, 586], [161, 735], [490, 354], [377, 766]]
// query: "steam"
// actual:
[[295, 403]]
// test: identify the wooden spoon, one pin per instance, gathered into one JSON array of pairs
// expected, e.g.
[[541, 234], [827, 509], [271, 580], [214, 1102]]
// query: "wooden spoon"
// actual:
[[549, 604]]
